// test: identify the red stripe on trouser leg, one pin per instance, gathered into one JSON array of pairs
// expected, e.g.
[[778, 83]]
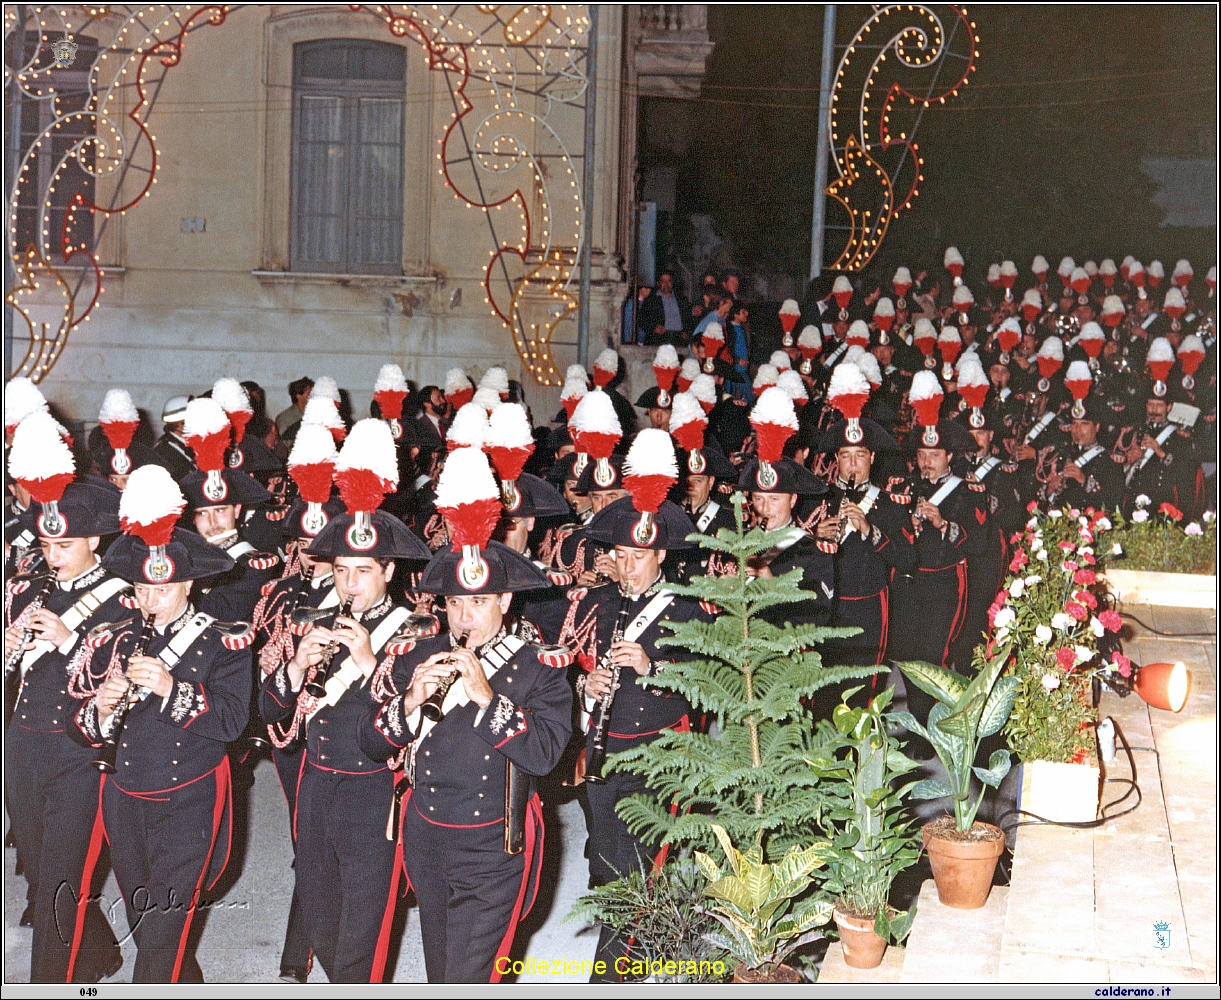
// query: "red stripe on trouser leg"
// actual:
[[884, 597], [959, 612], [534, 831], [377, 973], [218, 811], [83, 896], [683, 725]]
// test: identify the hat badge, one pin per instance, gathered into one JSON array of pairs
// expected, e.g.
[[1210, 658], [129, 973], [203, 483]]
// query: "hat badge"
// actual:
[[644, 531], [604, 473], [314, 519], [765, 476], [362, 536], [120, 462], [158, 567], [473, 570], [696, 463], [510, 495], [930, 438], [215, 488], [51, 523], [853, 433]]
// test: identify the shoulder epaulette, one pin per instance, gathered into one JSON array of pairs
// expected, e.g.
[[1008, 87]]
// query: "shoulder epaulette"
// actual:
[[900, 498], [235, 635], [977, 487], [578, 593], [128, 600], [100, 634], [559, 578], [710, 608], [1009, 467], [554, 656], [16, 586], [268, 587], [894, 481], [262, 560], [276, 514], [824, 546]]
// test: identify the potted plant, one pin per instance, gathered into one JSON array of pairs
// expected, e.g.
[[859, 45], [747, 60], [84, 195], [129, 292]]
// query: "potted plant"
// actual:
[[872, 838], [963, 851], [759, 907], [1160, 560]]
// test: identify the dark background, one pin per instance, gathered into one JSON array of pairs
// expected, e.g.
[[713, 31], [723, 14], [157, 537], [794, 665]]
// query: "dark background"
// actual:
[[1039, 154]]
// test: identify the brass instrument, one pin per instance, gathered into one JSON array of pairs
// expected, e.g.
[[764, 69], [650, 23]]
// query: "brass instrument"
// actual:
[[108, 754], [596, 758], [302, 616], [433, 707]]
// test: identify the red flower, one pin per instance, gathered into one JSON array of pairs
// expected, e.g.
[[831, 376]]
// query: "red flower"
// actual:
[[1088, 559], [1069, 566], [1122, 664], [1066, 546], [1079, 756], [1085, 577], [992, 612], [1086, 598], [1032, 507], [1076, 611], [1065, 657], [1019, 560], [1111, 622], [1171, 511]]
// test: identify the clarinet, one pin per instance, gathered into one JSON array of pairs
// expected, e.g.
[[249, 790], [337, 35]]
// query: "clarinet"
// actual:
[[108, 754], [596, 759], [12, 680], [434, 707], [845, 526], [317, 688]]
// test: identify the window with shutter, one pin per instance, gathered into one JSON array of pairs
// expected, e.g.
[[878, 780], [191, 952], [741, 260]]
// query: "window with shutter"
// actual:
[[348, 157]]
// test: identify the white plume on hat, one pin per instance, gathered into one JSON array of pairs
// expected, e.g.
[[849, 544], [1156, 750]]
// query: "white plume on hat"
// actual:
[[994, 272], [789, 307], [870, 368], [791, 383], [466, 477], [595, 414], [1039, 265], [38, 451], [884, 307], [1092, 331], [608, 361], [774, 406], [1053, 347], [968, 360], [231, 395], [902, 277], [666, 357], [847, 380], [855, 353], [204, 417], [1136, 267], [809, 337], [765, 376], [1182, 267], [686, 409], [21, 398], [1011, 323], [1155, 269], [969, 375], [841, 284], [962, 296], [390, 379], [949, 335], [713, 331], [651, 454], [1090, 268], [1067, 264], [703, 388], [325, 388], [1078, 274], [321, 410], [1032, 298], [151, 496], [924, 329], [455, 381], [509, 427], [576, 372], [1127, 261], [952, 256], [577, 387], [1112, 305], [1160, 350], [858, 329], [496, 379], [470, 426], [1078, 371], [487, 397], [689, 369], [370, 445], [313, 445], [1008, 268], [780, 361], [1191, 345], [1174, 298], [1107, 267], [117, 408], [925, 386]]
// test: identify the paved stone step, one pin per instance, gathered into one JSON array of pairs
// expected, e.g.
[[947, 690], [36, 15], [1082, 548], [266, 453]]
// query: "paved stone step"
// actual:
[[835, 970], [955, 946]]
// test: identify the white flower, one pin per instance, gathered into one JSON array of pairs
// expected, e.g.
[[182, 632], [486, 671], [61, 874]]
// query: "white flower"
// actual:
[[1017, 588], [1050, 682], [1103, 524], [1004, 618], [1083, 520], [1042, 635], [1084, 654], [1117, 549], [1209, 516], [1062, 622], [1055, 515], [1084, 550], [1001, 635], [1140, 516], [1032, 522], [1096, 628], [1032, 580], [1041, 554], [1143, 501], [1193, 529]]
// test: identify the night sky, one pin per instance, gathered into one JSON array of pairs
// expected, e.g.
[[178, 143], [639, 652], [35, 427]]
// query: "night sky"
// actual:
[[1039, 154]]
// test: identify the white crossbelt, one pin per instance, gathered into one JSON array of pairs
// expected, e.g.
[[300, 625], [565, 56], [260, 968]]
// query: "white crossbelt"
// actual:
[[349, 673], [491, 661], [985, 467], [1082, 460], [1161, 439], [1041, 426], [710, 512], [74, 616], [947, 488]]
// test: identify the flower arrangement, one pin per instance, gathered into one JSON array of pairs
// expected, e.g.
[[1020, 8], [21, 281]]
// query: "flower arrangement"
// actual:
[[1050, 611], [1159, 542]]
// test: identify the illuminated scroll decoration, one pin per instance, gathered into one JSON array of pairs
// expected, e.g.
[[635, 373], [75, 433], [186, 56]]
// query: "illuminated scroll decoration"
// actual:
[[903, 60]]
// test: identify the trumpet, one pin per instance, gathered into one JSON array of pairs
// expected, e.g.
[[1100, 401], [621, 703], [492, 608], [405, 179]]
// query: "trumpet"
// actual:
[[316, 688], [596, 758], [433, 708], [108, 754]]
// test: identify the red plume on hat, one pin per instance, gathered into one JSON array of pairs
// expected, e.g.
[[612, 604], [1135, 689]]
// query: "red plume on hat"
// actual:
[[458, 389], [649, 471], [848, 392], [1008, 334], [665, 370], [973, 390], [575, 389], [774, 419], [687, 425], [596, 430], [606, 367], [509, 445], [1050, 358], [1077, 380], [235, 401], [149, 509], [321, 411], [809, 342], [1160, 359], [469, 501], [949, 343], [926, 397], [207, 431], [42, 463], [469, 429], [311, 464], [365, 471], [389, 391], [118, 419], [790, 313], [1092, 340]]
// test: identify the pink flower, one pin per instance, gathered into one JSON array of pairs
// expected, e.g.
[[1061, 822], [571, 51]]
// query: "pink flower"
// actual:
[[1085, 577], [1068, 566], [1075, 512], [1032, 507], [1088, 559], [1050, 682], [1019, 560], [1066, 658], [1171, 511], [1086, 535], [1086, 598], [1193, 529], [1111, 621], [1122, 664], [1066, 546], [1076, 611]]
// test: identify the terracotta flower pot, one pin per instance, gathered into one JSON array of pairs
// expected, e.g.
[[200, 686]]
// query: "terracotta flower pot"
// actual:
[[780, 974], [863, 946], [963, 863]]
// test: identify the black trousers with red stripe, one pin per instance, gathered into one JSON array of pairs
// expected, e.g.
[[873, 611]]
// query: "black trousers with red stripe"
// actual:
[[296, 953], [467, 888], [53, 807], [345, 869], [161, 846]]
